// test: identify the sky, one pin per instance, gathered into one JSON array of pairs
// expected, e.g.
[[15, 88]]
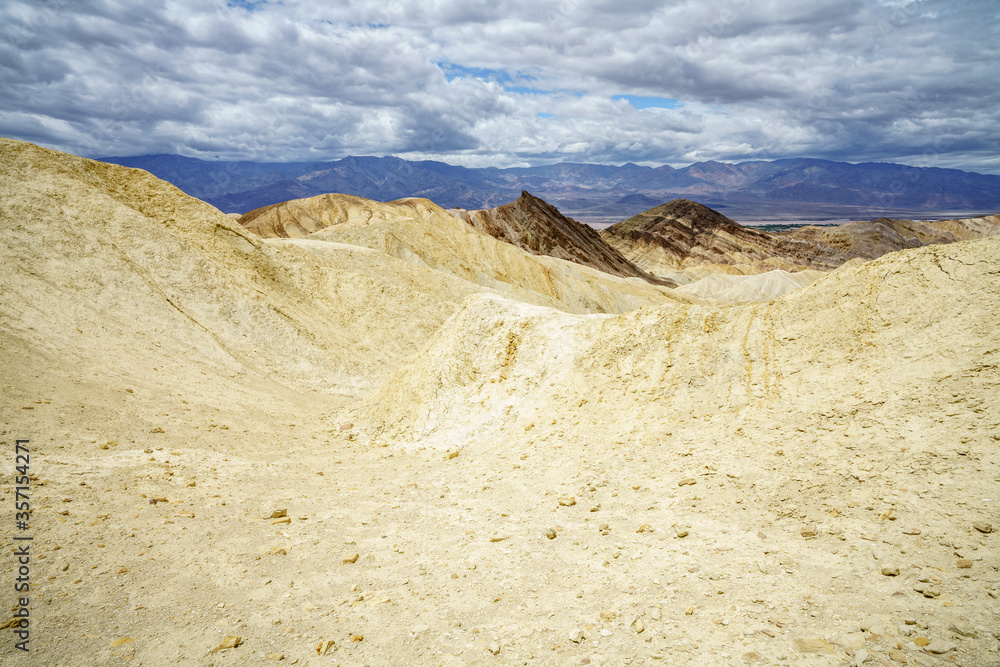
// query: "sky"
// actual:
[[508, 82]]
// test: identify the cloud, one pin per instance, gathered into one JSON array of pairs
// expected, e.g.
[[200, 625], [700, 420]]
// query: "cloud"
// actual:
[[514, 82]]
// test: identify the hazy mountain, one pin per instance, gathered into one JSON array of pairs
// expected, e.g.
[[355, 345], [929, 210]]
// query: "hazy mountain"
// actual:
[[590, 192]]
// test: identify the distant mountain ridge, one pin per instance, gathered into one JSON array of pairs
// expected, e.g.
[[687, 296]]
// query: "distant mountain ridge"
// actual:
[[586, 191]]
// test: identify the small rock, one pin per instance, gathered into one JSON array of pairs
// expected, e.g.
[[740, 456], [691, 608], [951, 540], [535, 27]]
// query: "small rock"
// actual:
[[185, 515], [890, 571], [813, 645], [576, 635], [567, 501], [596, 508], [687, 481], [122, 641], [494, 648], [608, 615], [639, 626], [278, 551], [353, 558], [323, 647], [346, 426], [606, 633], [550, 533], [645, 528], [911, 531], [357, 638], [897, 656], [275, 656], [921, 641], [680, 531], [231, 641], [939, 646], [983, 527], [861, 657], [963, 629], [284, 519], [453, 455], [964, 563], [277, 514], [809, 530], [655, 614]]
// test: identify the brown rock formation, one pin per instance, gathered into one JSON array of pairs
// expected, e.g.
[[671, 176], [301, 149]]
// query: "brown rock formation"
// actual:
[[681, 234], [538, 227], [684, 236]]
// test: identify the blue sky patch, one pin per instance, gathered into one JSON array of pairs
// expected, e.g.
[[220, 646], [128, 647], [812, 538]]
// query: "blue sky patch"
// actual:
[[641, 102]]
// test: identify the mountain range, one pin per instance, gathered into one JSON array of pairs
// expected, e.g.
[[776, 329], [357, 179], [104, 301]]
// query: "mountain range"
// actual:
[[788, 189]]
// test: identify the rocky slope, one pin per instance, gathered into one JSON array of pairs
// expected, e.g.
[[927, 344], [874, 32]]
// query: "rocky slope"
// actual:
[[334, 448], [420, 232], [683, 240], [538, 227]]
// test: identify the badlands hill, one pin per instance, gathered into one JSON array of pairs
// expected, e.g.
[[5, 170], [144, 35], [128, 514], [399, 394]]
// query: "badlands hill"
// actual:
[[366, 445], [682, 239], [538, 227]]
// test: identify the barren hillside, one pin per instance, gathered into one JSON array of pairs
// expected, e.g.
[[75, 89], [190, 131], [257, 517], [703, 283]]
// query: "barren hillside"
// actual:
[[379, 436]]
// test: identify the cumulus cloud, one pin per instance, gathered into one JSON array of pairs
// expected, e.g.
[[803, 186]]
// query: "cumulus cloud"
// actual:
[[514, 82]]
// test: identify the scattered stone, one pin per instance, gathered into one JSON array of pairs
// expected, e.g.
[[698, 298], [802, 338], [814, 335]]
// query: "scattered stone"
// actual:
[[860, 657], [353, 558], [897, 656], [655, 614], [921, 641], [275, 656], [608, 615], [639, 626], [939, 646], [185, 515], [767, 631], [494, 648], [453, 455], [567, 501], [813, 645], [645, 528], [983, 527], [346, 426], [809, 530], [324, 646], [550, 533], [596, 508], [604, 528], [911, 531], [122, 641], [278, 514], [576, 635], [927, 591], [890, 571], [357, 638], [680, 531], [231, 641], [499, 538], [870, 537], [964, 563], [687, 481], [278, 551], [963, 629], [750, 656], [284, 519], [689, 611]]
